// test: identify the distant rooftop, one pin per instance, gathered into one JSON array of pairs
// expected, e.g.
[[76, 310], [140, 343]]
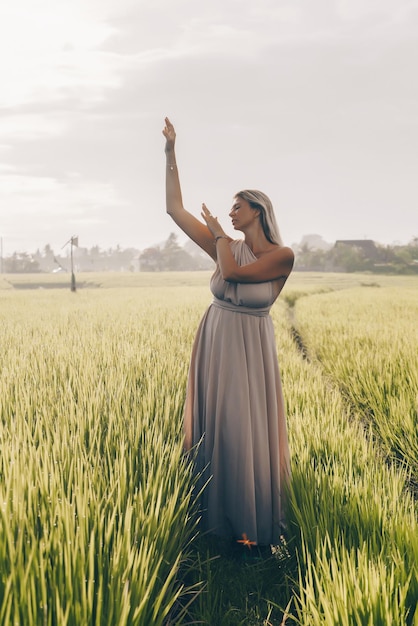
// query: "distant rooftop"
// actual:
[[368, 246]]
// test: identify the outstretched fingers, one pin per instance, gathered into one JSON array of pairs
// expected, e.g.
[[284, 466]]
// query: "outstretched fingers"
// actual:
[[206, 214]]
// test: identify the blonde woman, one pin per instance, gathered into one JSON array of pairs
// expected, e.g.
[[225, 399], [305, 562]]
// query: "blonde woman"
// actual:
[[234, 412]]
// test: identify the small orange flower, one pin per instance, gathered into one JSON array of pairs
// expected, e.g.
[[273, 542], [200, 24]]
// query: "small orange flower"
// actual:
[[246, 542]]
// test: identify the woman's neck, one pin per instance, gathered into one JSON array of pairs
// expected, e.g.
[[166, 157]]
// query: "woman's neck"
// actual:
[[257, 241]]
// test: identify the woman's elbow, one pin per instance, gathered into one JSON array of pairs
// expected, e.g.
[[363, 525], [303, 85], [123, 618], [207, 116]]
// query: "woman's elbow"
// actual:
[[229, 277], [174, 213]]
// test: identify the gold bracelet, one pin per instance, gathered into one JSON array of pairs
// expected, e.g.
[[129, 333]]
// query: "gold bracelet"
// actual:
[[220, 237]]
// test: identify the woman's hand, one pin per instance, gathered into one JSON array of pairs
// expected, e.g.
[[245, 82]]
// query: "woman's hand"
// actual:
[[170, 135], [212, 222]]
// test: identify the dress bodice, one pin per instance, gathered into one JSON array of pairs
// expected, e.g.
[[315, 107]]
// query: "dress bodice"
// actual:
[[251, 295]]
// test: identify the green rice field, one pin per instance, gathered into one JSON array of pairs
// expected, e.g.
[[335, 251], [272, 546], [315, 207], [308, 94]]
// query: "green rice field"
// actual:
[[98, 524]]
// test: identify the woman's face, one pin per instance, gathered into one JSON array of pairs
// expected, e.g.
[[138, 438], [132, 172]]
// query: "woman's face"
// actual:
[[242, 214]]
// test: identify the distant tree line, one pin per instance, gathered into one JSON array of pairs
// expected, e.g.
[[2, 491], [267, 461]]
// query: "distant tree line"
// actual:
[[167, 256], [173, 257], [343, 256]]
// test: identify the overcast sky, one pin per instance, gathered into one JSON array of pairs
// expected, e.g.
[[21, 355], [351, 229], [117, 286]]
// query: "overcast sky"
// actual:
[[315, 102]]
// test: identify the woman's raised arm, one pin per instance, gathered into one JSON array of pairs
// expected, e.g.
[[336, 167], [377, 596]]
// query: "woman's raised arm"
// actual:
[[189, 224]]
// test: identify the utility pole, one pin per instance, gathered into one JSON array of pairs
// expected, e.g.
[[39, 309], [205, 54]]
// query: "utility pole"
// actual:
[[73, 285], [73, 241]]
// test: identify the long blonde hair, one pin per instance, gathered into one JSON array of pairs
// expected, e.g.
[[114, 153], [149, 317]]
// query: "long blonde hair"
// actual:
[[258, 200]]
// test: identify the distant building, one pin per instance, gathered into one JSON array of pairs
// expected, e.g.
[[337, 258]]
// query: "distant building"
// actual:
[[367, 247]]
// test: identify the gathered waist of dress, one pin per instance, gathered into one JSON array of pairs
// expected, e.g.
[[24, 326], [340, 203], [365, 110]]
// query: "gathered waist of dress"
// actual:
[[237, 308]]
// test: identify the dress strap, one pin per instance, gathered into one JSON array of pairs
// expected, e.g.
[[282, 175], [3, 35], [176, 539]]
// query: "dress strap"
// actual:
[[237, 308]]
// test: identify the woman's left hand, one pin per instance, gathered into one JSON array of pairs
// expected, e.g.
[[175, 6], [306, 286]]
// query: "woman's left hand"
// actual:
[[212, 222]]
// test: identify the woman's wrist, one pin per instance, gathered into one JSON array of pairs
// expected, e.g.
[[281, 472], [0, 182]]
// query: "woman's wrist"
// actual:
[[170, 158], [217, 237]]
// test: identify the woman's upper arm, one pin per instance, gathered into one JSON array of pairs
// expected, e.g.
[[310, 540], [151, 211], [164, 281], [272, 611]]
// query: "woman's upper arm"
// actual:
[[271, 266], [196, 230]]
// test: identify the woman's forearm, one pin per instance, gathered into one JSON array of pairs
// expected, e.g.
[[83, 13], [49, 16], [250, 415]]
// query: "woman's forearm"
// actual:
[[174, 200], [226, 260]]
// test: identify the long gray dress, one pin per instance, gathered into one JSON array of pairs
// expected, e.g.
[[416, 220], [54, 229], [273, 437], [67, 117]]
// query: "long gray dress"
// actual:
[[234, 411]]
